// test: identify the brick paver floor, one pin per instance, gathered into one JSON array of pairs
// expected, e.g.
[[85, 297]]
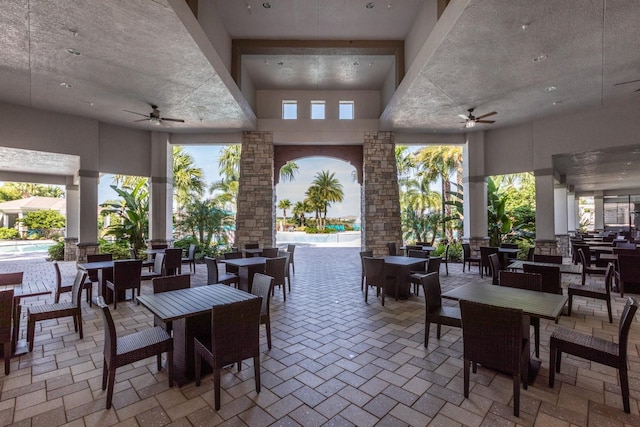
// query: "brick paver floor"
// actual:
[[335, 361]]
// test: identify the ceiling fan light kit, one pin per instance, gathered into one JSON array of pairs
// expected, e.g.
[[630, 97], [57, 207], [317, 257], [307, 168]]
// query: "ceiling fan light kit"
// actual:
[[154, 117], [470, 120]]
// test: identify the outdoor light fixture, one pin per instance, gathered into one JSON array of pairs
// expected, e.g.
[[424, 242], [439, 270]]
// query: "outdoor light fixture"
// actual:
[[470, 124]]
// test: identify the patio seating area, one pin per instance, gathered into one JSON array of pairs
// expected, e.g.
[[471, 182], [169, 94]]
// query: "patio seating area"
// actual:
[[335, 360]]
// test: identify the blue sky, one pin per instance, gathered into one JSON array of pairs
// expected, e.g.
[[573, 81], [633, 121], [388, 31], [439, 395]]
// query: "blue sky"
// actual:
[[206, 157]]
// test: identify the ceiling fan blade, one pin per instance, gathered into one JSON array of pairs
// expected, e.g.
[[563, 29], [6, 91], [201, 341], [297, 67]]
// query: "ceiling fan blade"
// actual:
[[485, 121], [462, 116], [624, 83], [486, 115], [637, 90], [141, 120], [133, 112], [167, 119]]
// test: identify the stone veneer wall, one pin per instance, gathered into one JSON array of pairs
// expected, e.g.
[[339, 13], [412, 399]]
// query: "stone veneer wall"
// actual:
[[563, 245], [547, 247], [380, 195], [255, 217]]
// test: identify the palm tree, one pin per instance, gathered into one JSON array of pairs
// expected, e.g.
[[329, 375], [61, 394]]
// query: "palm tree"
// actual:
[[288, 171], [229, 161], [284, 204], [133, 212], [299, 209], [187, 178], [441, 161], [206, 221], [325, 189]]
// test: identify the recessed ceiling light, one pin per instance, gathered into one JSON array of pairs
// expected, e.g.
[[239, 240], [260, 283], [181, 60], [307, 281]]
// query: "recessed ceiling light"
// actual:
[[550, 89], [356, 63], [524, 27], [66, 85], [539, 58], [266, 5], [370, 5], [280, 63], [557, 102], [73, 31], [72, 51]]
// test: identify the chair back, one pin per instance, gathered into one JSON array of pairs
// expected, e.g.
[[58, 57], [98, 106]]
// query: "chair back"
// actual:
[[263, 287], [485, 251], [127, 272], [171, 283], [629, 311], [56, 268], [446, 253], [374, 269], [158, 264], [629, 268], [528, 281], [509, 245], [625, 245], [6, 311], [391, 246], [291, 248], [584, 253], [551, 277], [191, 253], [433, 265], [531, 253], [172, 260], [413, 253], [492, 336], [551, 259], [466, 251], [276, 268], [494, 263], [7, 279], [362, 255], [608, 279], [76, 288], [413, 248], [159, 246], [252, 246], [110, 337], [212, 270], [287, 255], [235, 333], [232, 255], [270, 252], [132, 253], [625, 251], [93, 273], [431, 288]]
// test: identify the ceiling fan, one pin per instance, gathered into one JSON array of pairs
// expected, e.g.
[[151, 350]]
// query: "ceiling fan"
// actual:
[[154, 116], [471, 120], [631, 81]]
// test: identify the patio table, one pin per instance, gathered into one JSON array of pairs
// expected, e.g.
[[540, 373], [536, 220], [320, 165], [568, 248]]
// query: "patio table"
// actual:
[[564, 268], [247, 267], [252, 252], [189, 310], [105, 272], [20, 291], [402, 267]]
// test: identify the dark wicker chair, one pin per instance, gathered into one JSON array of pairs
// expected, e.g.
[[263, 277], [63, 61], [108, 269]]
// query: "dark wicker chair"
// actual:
[[7, 279], [485, 265], [494, 337], [172, 261], [363, 277], [148, 263], [214, 276], [445, 259], [262, 286], [156, 271], [375, 275], [167, 284], [510, 246], [531, 282], [292, 249], [551, 277], [287, 270], [496, 267], [37, 313], [550, 259], [467, 259], [391, 246], [531, 253], [190, 258], [584, 255], [625, 245], [628, 271], [60, 288], [596, 292], [270, 252], [159, 246], [435, 312], [126, 275], [92, 274], [235, 336], [596, 349], [252, 246], [276, 268], [6, 315], [232, 255], [121, 351]]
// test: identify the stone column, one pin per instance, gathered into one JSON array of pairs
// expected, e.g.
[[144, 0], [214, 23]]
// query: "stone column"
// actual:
[[161, 190], [545, 228], [572, 213], [72, 228], [561, 219], [380, 200], [474, 184], [88, 224], [598, 210], [256, 207]]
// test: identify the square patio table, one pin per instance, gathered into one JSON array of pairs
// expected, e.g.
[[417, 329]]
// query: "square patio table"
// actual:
[[247, 267], [402, 267], [564, 268], [189, 310]]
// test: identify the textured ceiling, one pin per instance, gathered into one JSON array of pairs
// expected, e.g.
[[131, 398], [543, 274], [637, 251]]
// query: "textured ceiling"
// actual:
[[139, 52]]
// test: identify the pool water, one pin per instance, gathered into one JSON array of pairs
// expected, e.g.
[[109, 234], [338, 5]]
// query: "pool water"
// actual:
[[25, 246]]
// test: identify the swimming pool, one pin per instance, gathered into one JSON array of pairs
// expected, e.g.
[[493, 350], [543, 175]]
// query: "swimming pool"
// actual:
[[25, 246]]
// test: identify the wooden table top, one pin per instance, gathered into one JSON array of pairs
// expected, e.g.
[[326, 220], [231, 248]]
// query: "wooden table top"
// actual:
[[98, 265], [564, 268], [253, 251], [403, 260], [31, 289], [182, 303], [245, 262], [422, 248], [537, 304]]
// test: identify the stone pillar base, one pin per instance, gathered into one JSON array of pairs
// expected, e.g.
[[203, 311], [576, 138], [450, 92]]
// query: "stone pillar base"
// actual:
[[168, 242], [84, 249], [563, 245], [547, 247], [476, 242], [70, 247]]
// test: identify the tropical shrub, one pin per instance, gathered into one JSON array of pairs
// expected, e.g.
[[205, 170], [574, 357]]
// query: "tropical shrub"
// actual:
[[56, 252], [119, 250], [44, 222], [9, 233]]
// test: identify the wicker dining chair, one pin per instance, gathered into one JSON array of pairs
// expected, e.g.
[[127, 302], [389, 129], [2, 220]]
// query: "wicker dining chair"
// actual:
[[435, 312], [596, 349], [276, 268], [628, 271], [551, 277], [73, 309], [262, 286], [287, 270], [596, 292], [362, 275], [391, 246], [253, 245], [235, 336], [494, 337], [15, 278], [60, 288], [167, 284], [531, 282], [127, 349], [172, 261], [190, 258], [445, 258], [156, 271], [467, 259], [232, 255], [292, 249], [549, 259], [375, 275], [270, 252], [6, 315], [587, 267], [126, 275], [214, 276], [485, 266], [496, 267]]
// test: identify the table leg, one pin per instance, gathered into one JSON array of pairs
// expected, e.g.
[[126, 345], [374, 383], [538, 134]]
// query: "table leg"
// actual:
[[184, 330]]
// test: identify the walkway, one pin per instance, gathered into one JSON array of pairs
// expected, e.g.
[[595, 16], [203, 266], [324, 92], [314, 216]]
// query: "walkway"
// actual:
[[335, 361]]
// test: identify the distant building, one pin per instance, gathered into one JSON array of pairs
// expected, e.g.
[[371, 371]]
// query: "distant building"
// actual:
[[12, 211]]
